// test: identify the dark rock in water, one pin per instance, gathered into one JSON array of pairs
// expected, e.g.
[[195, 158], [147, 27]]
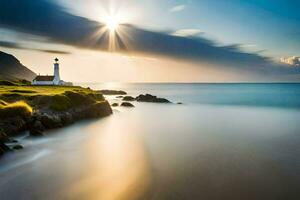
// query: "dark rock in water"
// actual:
[[128, 98], [113, 92], [151, 98], [12, 140], [114, 104], [179, 103], [127, 104], [120, 97], [17, 147], [3, 148]]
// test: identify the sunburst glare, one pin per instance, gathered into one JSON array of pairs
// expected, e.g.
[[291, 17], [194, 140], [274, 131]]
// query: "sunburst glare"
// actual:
[[112, 23]]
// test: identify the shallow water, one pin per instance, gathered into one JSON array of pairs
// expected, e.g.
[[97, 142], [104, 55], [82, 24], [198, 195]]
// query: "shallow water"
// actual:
[[230, 149]]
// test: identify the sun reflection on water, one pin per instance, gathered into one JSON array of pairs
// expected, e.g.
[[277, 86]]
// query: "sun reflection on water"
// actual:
[[117, 165]]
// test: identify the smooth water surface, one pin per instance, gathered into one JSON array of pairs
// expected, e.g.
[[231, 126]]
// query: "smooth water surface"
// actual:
[[225, 142]]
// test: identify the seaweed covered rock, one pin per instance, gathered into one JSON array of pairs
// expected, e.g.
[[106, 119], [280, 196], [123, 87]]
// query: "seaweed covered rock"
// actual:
[[17, 147], [151, 98], [127, 104], [113, 92], [128, 98]]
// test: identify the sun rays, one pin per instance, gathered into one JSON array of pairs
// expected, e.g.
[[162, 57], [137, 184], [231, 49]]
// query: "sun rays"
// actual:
[[112, 32], [112, 23]]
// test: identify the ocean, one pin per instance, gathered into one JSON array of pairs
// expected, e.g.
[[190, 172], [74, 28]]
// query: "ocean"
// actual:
[[226, 141]]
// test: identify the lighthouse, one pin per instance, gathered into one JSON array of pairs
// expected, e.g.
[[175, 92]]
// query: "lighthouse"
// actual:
[[56, 79], [52, 79]]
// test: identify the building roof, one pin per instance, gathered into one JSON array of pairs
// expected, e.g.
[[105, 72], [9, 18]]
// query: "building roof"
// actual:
[[44, 78]]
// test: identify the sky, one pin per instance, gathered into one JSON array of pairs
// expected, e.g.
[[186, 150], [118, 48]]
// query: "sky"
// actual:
[[156, 40]]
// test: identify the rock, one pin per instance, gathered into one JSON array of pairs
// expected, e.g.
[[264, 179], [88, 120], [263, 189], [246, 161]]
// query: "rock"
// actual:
[[179, 103], [3, 148], [114, 104], [128, 98], [12, 126], [36, 133], [51, 121], [12, 140], [66, 118], [120, 97], [127, 104], [37, 129], [151, 98], [100, 109], [3, 136], [113, 92], [17, 147]]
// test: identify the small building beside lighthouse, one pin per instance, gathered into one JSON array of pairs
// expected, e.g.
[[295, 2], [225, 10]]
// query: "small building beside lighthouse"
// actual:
[[52, 79]]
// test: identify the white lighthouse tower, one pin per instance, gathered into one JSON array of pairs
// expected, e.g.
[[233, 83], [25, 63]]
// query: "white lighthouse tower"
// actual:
[[51, 80], [56, 79]]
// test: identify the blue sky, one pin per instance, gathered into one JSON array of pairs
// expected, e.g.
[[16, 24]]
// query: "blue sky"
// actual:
[[271, 27], [268, 25]]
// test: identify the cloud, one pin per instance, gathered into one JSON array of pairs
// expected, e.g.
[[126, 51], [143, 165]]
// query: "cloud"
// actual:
[[293, 61], [177, 8], [18, 46], [10, 45], [187, 32], [53, 51], [49, 20]]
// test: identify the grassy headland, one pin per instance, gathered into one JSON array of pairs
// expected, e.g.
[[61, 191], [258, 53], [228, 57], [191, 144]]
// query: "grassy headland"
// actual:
[[37, 108], [56, 98]]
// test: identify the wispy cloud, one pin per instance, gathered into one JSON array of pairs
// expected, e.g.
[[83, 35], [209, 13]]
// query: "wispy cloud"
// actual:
[[177, 8], [293, 61], [187, 32], [14, 45]]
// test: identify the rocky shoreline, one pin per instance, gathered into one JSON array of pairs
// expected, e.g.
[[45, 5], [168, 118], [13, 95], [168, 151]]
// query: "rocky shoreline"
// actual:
[[61, 110], [45, 115]]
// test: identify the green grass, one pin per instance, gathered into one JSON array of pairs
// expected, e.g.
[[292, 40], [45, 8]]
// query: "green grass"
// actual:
[[19, 108], [58, 98]]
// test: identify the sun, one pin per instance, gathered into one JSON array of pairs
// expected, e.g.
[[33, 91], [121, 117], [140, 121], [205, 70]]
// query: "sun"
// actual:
[[112, 23]]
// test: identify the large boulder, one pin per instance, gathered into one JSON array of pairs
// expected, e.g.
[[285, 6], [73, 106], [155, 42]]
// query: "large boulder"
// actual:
[[151, 98], [99, 109], [127, 104], [113, 92], [17, 147], [128, 98]]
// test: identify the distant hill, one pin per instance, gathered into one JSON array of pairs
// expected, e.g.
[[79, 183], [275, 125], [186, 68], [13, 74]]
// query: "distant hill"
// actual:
[[11, 68]]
